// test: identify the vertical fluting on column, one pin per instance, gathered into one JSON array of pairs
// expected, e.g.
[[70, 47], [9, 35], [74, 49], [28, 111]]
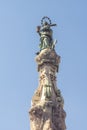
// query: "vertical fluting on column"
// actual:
[[47, 111]]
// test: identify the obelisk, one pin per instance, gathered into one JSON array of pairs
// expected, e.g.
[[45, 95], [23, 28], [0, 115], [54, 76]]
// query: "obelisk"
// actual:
[[47, 111]]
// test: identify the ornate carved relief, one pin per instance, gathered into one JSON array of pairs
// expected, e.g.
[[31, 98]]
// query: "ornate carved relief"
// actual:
[[49, 116], [47, 103]]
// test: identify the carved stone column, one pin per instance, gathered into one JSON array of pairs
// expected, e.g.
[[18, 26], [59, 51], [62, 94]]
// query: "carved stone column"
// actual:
[[47, 111]]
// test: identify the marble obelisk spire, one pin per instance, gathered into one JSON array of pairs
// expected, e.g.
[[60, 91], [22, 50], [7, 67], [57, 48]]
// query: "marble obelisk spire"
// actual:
[[47, 111]]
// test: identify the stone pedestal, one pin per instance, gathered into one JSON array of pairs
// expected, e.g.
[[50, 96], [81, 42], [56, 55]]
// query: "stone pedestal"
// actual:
[[47, 111]]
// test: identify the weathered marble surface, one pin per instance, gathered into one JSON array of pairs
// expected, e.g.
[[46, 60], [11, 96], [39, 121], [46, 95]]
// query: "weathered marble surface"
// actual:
[[47, 111], [47, 116]]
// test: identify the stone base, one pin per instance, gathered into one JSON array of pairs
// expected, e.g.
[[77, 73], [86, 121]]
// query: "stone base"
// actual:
[[48, 56], [47, 111], [47, 116]]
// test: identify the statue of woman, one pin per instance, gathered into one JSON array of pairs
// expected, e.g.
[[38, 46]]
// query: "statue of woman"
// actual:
[[45, 33]]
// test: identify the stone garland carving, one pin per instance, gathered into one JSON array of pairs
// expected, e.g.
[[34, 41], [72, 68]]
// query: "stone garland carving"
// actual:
[[53, 78]]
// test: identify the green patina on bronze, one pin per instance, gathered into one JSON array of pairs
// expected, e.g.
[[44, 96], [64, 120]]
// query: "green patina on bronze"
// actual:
[[45, 32]]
